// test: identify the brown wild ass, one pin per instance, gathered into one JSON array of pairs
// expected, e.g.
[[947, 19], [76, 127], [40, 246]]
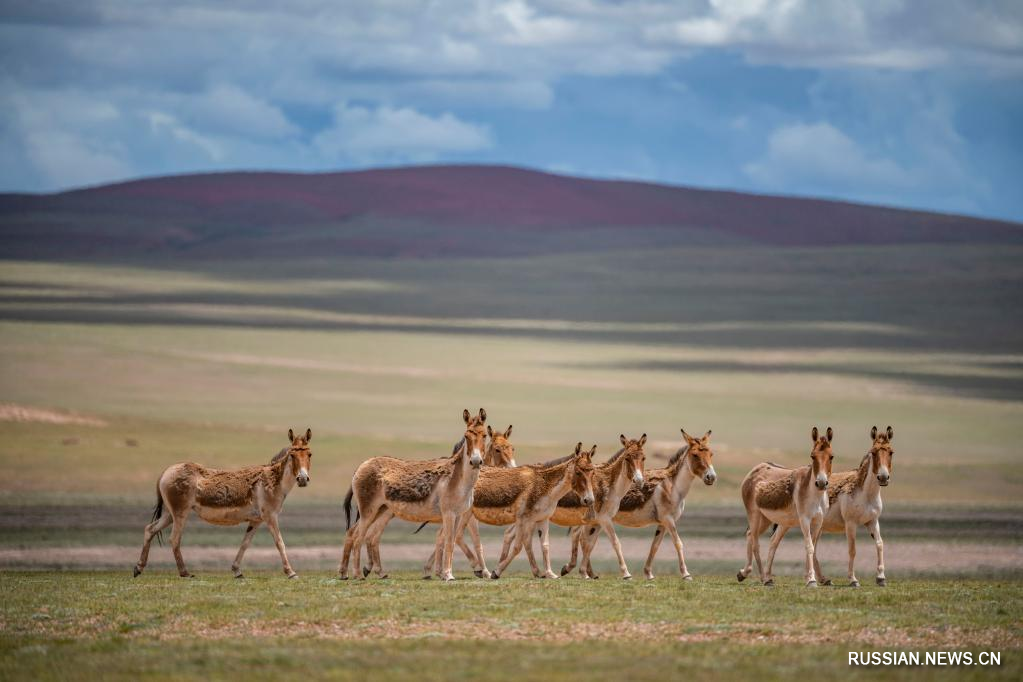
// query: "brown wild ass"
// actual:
[[500, 453], [658, 501], [787, 497], [611, 480], [526, 497], [252, 495], [437, 490], [855, 500]]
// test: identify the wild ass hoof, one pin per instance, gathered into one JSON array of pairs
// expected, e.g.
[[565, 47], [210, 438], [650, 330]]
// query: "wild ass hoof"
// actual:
[[550, 576], [448, 578], [565, 570], [342, 576], [854, 583], [648, 576], [769, 583], [427, 577], [136, 572], [882, 582], [626, 577], [811, 583], [687, 577], [238, 576], [739, 576], [292, 575], [365, 572], [478, 573], [383, 576], [495, 575], [186, 574], [826, 582]]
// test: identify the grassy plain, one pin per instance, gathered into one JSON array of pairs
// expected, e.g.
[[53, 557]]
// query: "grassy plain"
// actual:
[[108, 373]]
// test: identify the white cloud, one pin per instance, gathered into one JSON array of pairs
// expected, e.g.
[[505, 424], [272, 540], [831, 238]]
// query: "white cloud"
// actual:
[[386, 133], [820, 154], [228, 109]]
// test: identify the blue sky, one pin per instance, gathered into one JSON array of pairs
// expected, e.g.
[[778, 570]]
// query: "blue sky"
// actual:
[[913, 104]]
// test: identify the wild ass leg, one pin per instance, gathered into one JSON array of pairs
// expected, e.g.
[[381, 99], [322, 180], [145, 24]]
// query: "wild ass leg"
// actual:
[[529, 553], [373, 535], [512, 553], [850, 538], [673, 531], [875, 532], [506, 543], [474, 533], [236, 567], [609, 530], [275, 531], [450, 523], [545, 546], [179, 528], [655, 544], [574, 536], [805, 526], [753, 527], [779, 533], [590, 536], [817, 531], [147, 538], [432, 565]]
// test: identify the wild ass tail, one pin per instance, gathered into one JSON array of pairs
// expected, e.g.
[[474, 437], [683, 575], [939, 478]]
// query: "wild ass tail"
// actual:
[[157, 513], [348, 509], [423, 525]]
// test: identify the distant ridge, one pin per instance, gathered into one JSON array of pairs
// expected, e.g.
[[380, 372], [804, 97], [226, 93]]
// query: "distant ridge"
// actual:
[[433, 211]]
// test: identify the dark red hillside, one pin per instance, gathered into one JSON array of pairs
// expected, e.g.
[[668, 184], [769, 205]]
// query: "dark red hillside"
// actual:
[[426, 211]]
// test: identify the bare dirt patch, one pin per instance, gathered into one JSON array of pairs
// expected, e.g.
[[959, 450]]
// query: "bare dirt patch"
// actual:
[[10, 412]]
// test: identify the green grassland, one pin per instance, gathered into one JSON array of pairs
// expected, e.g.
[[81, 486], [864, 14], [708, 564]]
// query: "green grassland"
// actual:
[[214, 362], [83, 625]]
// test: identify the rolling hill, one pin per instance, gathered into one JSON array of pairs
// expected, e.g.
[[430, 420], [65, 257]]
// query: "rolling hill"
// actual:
[[439, 211]]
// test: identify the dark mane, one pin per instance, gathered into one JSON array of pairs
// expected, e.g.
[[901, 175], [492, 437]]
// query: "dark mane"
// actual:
[[678, 455], [554, 462], [458, 446], [280, 455], [615, 457]]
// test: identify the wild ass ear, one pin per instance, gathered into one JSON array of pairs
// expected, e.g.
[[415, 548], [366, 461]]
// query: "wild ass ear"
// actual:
[[483, 415], [689, 439], [490, 431], [507, 433], [642, 440], [593, 451], [813, 435], [706, 436], [830, 434], [465, 416], [308, 435], [873, 433], [890, 433], [291, 435], [578, 447]]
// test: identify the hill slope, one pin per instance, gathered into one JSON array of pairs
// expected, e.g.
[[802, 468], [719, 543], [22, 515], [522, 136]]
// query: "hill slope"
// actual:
[[439, 211]]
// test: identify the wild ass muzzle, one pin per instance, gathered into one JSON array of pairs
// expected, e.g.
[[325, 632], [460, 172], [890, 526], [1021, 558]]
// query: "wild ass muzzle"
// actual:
[[253, 495], [854, 499], [437, 490], [787, 497], [658, 501], [611, 480]]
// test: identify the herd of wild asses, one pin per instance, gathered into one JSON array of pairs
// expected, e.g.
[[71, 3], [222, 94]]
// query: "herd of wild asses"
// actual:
[[481, 482]]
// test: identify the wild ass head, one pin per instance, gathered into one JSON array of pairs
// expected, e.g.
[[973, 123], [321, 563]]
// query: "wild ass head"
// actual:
[[301, 456], [699, 457], [881, 453], [475, 436], [582, 477], [821, 457], [500, 452], [634, 456]]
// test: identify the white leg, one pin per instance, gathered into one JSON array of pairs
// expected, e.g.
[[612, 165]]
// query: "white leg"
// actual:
[[875, 530], [609, 530], [804, 525], [250, 532], [779, 533]]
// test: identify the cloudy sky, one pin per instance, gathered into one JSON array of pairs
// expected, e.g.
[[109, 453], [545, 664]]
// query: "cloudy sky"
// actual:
[[888, 101]]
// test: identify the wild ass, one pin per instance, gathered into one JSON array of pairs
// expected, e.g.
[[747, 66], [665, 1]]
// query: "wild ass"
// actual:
[[226, 498], [855, 499], [611, 480], [525, 497], [787, 497], [437, 490], [658, 501], [500, 453]]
